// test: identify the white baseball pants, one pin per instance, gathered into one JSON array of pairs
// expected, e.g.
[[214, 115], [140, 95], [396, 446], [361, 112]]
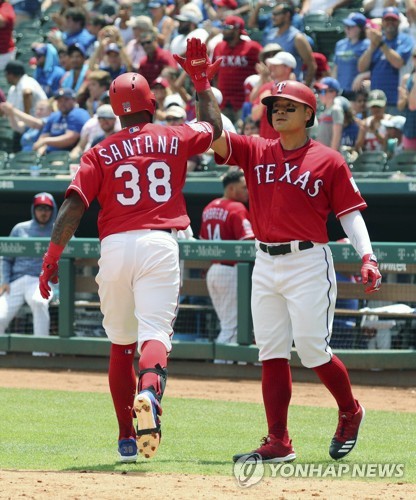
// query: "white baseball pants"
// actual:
[[293, 299], [222, 288], [138, 285], [25, 289]]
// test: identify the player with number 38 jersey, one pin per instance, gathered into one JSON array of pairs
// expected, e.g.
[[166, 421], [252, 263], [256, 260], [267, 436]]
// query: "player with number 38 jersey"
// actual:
[[138, 174]]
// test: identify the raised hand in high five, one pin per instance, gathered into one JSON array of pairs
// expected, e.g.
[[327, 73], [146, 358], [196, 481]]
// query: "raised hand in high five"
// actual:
[[197, 64]]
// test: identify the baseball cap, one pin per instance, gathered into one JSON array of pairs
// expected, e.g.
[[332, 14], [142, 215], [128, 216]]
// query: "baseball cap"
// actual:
[[42, 199], [105, 111], [377, 98], [173, 100], [328, 83], [394, 122], [112, 47], [76, 47], [283, 58], [154, 4], [176, 112], [229, 4], [160, 81], [234, 22], [142, 22], [65, 93], [391, 12], [190, 13], [218, 95], [40, 50], [355, 19]]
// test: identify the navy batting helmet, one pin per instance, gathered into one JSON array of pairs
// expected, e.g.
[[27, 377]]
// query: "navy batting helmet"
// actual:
[[130, 93], [294, 91]]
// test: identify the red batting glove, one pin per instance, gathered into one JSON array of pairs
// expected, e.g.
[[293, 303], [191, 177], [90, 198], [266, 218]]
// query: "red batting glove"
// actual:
[[198, 65], [370, 272], [49, 271]]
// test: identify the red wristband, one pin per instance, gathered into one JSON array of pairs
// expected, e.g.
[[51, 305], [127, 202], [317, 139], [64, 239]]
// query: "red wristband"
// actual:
[[201, 85], [55, 250]]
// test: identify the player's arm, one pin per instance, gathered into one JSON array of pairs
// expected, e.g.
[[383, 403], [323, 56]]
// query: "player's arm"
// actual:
[[67, 222], [198, 66], [356, 230]]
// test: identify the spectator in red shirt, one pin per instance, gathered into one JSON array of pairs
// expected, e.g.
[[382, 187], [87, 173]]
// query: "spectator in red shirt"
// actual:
[[156, 58], [239, 59], [7, 20]]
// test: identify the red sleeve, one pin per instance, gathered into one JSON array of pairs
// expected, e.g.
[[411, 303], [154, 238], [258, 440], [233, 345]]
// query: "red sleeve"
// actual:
[[344, 195], [88, 179], [241, 225], [242, 150]]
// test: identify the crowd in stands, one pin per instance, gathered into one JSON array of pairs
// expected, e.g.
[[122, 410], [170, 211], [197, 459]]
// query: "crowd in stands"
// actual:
[[55, 93]]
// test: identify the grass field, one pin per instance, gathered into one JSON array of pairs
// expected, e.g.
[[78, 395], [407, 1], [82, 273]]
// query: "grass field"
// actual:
[[75, 431]]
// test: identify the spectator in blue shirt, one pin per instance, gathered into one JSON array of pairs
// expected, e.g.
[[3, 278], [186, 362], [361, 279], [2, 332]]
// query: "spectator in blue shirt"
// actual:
[[388, 52], [76, 32], [348, 51], [291, 40], [62, 130], [76, 77], [48, 72]]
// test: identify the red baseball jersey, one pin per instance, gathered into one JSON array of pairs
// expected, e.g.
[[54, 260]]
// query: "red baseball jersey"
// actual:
[[225, 220], [266, 130], [292, 192], [138, 174], [237, 64]]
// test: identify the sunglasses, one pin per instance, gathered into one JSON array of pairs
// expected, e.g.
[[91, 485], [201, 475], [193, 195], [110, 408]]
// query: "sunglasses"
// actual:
[[172, 119], [147, 42]]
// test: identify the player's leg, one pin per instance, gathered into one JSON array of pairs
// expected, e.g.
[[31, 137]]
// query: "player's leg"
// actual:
[[10, 303], [120, 324], [38, 305], [222, 288], [311, 306], [272, 331], [156, 291]]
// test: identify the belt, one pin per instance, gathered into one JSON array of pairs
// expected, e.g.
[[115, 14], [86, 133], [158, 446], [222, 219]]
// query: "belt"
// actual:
[[285, 248], [162, 229]]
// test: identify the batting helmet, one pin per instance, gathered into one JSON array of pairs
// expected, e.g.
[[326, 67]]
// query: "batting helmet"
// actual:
[[295, 91], [130, 93]]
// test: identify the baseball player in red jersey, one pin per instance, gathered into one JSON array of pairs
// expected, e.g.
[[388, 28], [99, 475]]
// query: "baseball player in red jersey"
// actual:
[[137, 176], [294, 183], [226, 218]]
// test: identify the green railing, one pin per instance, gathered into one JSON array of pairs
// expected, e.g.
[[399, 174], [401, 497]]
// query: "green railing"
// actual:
[[393, 257]]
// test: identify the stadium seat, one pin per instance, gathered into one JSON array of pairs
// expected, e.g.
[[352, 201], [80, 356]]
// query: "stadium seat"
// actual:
[[325, 39], [315, 20], [370, 162], [23, 160], [6, 139], [4, 157], [404, 161], [56, 162]]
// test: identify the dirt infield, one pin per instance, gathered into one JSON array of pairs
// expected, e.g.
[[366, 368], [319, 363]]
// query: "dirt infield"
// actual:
[[77, 485]]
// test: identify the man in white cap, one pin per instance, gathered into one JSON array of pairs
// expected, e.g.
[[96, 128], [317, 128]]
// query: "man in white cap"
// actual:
[[189, 17], [280, 67], [394, 134], [107, 120]]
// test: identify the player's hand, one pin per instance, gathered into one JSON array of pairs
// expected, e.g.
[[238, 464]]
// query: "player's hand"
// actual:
[[370, 273], [48, 274], [197, 64]]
